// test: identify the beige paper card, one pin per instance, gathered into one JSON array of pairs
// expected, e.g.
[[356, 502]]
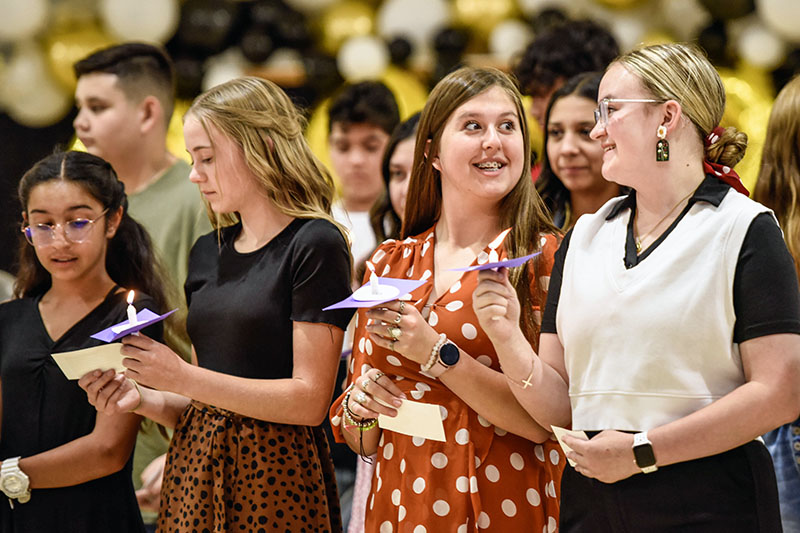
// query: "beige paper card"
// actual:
[[560, 432], [77, 363], [416, 419]]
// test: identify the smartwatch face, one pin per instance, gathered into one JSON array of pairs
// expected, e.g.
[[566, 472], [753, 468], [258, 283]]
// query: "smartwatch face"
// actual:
[[449, 354], [644, 455]]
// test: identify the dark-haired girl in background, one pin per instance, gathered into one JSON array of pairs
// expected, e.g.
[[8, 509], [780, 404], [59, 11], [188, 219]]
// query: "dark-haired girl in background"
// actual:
[[81, 249], [571, 183]]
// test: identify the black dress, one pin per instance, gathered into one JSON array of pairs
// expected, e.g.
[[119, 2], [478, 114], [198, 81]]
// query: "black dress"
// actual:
[[227, 472], [42, 410]]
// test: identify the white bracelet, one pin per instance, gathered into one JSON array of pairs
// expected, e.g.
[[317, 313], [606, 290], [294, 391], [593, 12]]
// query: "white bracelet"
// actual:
[[434, 353]]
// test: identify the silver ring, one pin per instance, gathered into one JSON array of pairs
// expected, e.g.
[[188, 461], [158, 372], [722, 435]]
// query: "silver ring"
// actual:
[[380, 374], [361, 397], [394, 332], [365, 383], [398, 318], [402, 306]]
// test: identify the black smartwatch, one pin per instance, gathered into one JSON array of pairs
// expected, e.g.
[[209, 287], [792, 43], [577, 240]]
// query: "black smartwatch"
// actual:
[[643, 454], [448, 356]]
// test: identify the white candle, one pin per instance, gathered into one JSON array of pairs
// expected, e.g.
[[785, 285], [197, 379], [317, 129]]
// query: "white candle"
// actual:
[[373, 279], [131, 310]]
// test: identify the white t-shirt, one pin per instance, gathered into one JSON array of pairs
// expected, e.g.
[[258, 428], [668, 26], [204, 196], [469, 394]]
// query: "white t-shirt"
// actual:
[[361, 235]]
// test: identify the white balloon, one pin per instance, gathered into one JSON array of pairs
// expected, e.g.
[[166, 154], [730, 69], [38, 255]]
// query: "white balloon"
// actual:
[[141, 20], [48, 104], [782, 16], [224, 67], [416, 20], [684, 18], [26, 69], [509, 38], [22, 19], [759, 46], [362, 58]]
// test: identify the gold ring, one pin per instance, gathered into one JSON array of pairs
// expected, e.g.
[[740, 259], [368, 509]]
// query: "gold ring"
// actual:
[[402, 306], [394, 332], [393, 341], [365, 383], [398, 318], [380, 374]]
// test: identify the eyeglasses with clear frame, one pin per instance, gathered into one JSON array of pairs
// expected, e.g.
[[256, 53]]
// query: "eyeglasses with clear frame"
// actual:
[[601, 112], [75, 231]]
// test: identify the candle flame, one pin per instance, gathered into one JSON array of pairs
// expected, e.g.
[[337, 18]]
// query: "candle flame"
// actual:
[[130, 297]]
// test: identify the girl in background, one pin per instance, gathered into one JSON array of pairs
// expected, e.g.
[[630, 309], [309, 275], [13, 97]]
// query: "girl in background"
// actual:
[[82, 248], [778, 187], [571, 183]]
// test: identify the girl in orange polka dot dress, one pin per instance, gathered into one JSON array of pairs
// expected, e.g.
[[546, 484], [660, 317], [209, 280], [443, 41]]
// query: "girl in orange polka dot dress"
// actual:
[[498, 469]]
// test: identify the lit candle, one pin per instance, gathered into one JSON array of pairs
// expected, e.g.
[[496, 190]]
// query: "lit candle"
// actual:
[[373, 279], [131, 310]]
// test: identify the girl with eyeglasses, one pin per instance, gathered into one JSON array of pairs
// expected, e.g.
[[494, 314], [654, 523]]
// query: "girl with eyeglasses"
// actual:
[[671, 334], [65, 466]]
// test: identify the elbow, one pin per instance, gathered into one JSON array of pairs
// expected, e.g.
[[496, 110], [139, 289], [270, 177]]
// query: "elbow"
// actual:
[[111, 459]]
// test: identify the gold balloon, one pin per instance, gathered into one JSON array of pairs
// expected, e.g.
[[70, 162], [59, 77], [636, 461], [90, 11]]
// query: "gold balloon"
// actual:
[[749, 101], [64, 48], [481, 16], [343, 20], [175, 142], [409, 92], [657, 37], [619, 4]]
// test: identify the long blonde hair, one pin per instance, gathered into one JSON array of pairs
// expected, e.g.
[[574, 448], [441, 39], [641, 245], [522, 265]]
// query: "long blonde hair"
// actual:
[[522, 208], [778, 185], [261, 119], [682, 72]]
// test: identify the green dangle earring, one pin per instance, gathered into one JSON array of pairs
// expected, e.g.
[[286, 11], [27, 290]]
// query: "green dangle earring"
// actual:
[[662, 146]]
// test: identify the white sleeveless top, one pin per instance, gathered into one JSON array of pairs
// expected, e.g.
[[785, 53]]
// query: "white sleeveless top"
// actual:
[[651, 344]]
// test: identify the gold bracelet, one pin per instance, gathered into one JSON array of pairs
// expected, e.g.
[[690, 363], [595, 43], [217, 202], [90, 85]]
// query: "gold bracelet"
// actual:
[[525, 382], [138, 405]]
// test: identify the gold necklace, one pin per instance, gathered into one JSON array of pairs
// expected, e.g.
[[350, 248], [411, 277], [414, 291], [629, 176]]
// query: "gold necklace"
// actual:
[[638, 240]]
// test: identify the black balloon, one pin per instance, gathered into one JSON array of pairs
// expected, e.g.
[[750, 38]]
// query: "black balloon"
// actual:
[[787, 70], [400, 50], [714, 40], [322, 73], [292, 31], [188, 76], [256, 45], [728, 9], [451, 41], [206, 24]]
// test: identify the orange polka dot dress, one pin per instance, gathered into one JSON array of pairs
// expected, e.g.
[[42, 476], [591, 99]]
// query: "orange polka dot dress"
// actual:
[[482, 478]]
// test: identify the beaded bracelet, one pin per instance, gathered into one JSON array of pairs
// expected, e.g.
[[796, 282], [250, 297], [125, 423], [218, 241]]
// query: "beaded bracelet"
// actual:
[[434, 353], [363, 424]]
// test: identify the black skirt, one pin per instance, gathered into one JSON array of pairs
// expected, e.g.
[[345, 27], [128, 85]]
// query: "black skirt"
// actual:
[[731, 492]]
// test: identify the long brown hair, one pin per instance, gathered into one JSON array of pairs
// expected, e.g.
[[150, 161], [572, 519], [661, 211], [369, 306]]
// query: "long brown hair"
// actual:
[[778, 185], [522, 208]]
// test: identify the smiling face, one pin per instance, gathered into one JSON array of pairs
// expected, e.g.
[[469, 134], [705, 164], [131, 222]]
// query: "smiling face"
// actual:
[[629, 138], [57, 202], [399, 174], [107, 121], [481, 152], [219, 168], [574, 157]]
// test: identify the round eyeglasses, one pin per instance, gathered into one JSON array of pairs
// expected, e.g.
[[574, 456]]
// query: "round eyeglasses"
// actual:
[[601, 113], [76, 231]]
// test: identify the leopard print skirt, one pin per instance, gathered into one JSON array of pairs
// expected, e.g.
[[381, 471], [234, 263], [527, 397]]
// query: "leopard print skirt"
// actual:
[[226, 472]]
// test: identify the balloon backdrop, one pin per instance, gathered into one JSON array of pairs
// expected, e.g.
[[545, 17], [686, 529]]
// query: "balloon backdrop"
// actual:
[[140, 20]]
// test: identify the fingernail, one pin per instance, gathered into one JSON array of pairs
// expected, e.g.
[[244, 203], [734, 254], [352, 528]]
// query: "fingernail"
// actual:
[[397, 403]]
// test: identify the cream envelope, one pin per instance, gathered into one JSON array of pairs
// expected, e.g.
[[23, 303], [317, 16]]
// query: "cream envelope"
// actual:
[[77, 363], [560, 432], [416, 419]]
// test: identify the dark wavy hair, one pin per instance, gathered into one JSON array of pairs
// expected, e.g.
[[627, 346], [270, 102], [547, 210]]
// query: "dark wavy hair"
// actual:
[[386, 222], [130, 260], [564, 51]]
